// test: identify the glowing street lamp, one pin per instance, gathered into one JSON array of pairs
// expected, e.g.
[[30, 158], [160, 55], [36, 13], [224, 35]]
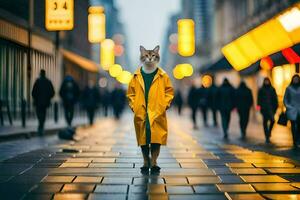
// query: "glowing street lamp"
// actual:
[[107, 56], [96, 24], [186, 37]]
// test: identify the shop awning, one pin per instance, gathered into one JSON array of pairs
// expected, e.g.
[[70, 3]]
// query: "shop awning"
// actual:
[[220, 65], [82, 62]]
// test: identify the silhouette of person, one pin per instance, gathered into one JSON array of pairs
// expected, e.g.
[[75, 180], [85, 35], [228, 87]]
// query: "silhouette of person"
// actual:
[[69, 93], [268, 102], [42, 94]]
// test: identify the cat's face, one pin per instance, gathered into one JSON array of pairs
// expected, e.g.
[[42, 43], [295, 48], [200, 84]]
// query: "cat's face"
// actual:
[[149, 57]]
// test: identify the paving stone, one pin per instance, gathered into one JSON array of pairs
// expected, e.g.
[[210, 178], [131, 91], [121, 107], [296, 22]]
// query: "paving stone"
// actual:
[[81, 188], [107, 197], [278, 187], [231, 179], [240, 171], [193, 165], [180, 190], [111, 189], [76, 160], [141, 181], [206, 189], [235, 188], [204, 180], [175, 180], [117, 180], [197, 197], [104, 160], [58, 179], [47, 188], [138, 188], [263, 179], [282, 196], [239, 165], [297, 185], [274, 165], [112, 165], [74, 164], [156, 180], [156, 189], [69, 196], [244, 196], [283, 170], [88, 179], [222, 170]]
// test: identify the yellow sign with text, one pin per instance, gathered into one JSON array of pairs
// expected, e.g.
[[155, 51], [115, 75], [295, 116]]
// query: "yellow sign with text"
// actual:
[[59, 15]]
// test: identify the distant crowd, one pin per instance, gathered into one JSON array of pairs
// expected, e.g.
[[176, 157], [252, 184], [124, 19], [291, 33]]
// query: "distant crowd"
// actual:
[[225, 98]]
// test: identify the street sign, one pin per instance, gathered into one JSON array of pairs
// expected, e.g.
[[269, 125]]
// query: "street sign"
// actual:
[[59, 15]]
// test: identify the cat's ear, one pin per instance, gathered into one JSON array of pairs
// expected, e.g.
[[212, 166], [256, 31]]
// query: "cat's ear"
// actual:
[[156, 49], [142, 49]]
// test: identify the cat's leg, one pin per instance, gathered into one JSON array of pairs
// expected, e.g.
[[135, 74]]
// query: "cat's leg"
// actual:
[[155, 150], [145, 152]]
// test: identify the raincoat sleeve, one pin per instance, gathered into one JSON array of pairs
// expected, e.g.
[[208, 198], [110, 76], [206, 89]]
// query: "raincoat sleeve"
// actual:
[[131, 93], [169, 92]]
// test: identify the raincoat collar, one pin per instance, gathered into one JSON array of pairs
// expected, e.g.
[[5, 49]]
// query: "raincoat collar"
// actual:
[[160, 71], [138, 74]]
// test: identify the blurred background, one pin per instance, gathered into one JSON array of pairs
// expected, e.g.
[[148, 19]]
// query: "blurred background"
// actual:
[[216, 50]]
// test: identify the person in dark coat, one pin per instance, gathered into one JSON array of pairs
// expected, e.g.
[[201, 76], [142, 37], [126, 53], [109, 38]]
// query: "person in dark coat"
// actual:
[[244, 102], [226, 103], [105, 100], [193, 96], [42, 93], [213, 102], [69, 93], [268, 103], [90, 100], [178, 101], [118, 97], [203, 104], [292, 104]]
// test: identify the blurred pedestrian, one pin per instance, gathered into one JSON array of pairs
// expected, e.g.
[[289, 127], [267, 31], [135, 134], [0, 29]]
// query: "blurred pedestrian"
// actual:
[[118, 100], [90, 99], [292, 104], [105, 100], [213, 102], [226, 104], [42, 93], [69, 93], [203, 104], [150, 94], [193, 100], [178, 101], [244, 102], [268, 103]]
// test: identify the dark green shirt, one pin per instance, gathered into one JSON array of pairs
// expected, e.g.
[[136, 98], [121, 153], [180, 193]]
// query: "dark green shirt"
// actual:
[[148, 78]]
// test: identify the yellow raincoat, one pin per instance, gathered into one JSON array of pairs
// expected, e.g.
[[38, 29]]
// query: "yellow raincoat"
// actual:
[[160, 97]]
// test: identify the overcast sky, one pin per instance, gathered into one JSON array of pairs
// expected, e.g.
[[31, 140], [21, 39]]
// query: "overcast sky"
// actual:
[[145, 22]]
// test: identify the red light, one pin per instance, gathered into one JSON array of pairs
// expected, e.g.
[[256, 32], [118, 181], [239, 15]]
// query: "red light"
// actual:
[[291, 55], [119, 50], [266, 63]]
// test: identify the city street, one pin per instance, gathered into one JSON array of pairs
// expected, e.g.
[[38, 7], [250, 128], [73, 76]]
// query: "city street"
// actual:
[[104, 163]]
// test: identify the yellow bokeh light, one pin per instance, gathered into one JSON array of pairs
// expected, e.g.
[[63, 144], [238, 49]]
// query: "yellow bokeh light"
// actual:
[[115, 70], [107, 57], [124, 77], [183, 70], [186, 37], [96, 24]]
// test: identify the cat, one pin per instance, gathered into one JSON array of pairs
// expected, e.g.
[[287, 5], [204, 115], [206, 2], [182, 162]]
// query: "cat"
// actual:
[[149, 58]]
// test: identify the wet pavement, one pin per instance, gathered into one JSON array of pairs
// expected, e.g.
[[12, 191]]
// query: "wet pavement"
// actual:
[[105, 164]]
